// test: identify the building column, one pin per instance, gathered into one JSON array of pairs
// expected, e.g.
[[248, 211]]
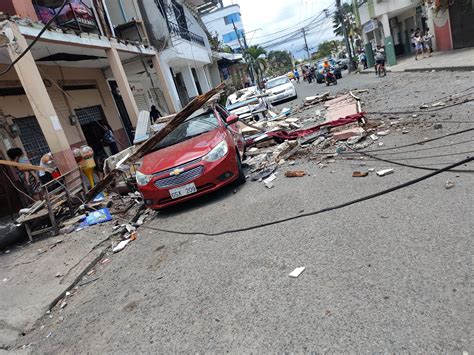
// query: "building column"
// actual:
[[122, 82], [203, 79], [162, 72], [189, 81], [40, 102], [388, 41]]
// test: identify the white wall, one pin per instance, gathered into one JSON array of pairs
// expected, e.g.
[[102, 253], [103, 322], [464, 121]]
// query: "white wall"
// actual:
[[385, 7], [215, 24]]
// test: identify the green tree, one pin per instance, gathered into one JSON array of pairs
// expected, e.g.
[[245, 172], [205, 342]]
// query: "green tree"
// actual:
[[255, 58], [326, 48], [279, 62]]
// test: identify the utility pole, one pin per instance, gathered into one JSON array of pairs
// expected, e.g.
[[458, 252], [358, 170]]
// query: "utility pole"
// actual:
[[243, 49], [306, 43], [344, 31]]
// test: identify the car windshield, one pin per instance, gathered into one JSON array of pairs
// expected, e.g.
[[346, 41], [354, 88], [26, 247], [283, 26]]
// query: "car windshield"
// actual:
[[277, 82], [194, 126]]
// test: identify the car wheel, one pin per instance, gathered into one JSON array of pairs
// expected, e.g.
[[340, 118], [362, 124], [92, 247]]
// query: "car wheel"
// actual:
[[241, 178]]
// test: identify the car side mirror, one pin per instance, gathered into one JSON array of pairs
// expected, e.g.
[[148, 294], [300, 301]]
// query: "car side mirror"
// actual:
[[232, 119]]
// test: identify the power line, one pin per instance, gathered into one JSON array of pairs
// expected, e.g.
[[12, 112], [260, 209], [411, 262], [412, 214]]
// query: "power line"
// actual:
[[324, 210], [36, 39]]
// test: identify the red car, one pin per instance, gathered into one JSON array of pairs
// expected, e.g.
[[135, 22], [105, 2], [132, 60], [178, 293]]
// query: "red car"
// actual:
[[200, 156]]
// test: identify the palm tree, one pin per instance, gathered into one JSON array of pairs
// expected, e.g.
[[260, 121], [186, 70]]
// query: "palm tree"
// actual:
[[255, 58], [346, 14]]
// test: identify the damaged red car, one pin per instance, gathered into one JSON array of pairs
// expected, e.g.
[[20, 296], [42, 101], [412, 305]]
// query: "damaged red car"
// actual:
[[201, 155]]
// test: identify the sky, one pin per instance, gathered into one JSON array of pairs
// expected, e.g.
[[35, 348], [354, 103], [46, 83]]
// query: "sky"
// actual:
[[261, 18]]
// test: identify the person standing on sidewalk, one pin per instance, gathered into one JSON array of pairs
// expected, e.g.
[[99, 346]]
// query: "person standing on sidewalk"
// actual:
[[427, 42], [363, 59], [418, 44]]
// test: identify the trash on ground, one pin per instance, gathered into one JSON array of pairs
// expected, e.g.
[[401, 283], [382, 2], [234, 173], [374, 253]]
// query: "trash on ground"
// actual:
[[295, 174], [120, 246], [385, 172], [449, 184], [297, 272], [359, 174]]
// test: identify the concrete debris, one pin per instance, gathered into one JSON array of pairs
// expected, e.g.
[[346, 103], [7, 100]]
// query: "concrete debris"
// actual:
[[374, 137], [424, 106], [354, 140], [385, 172], [269, 185], [371, 170], [437, 104], [449, 184], [438, 126], [120, 246], [297, 272], [381, 144], [383, 133], [295, 174], [346, 134]]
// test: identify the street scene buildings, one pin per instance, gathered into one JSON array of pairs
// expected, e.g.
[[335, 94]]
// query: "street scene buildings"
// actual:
[[236, 176]]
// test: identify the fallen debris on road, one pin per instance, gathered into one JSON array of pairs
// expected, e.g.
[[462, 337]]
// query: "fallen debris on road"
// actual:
[[297, 272], [385, 172], [291, 174]]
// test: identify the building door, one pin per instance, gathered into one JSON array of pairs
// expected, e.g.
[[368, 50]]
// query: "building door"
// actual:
[[181, 88], [32, 138], [127, 124], [461, 14], [196, 81], [92, 120]]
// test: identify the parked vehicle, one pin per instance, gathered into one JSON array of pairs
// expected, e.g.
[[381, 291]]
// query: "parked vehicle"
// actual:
[[320, 72], [343, 63], [330, 78], [200, 156], [279, 89]]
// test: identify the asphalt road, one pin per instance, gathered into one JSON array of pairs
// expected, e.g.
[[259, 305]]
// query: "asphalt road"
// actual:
[[392, 274]]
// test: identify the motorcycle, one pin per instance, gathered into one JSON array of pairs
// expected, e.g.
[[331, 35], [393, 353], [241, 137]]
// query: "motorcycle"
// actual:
[[330, 78]]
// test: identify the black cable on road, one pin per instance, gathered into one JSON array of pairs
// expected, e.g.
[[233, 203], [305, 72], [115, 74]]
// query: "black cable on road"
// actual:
[[36, 39], [434, 109], [327, 209], [411, 151], [409, 165]]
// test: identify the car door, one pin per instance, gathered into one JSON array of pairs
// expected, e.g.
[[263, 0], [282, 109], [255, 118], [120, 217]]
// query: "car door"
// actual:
[[233, 129]]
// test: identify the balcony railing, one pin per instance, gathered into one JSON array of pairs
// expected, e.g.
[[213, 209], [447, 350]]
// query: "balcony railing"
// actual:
[[184, 33]]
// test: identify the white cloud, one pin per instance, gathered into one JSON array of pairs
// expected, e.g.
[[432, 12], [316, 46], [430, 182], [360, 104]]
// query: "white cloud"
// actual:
[[269, 16]]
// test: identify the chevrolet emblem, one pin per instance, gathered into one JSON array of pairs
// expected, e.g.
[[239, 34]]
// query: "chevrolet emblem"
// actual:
[[176, 172]]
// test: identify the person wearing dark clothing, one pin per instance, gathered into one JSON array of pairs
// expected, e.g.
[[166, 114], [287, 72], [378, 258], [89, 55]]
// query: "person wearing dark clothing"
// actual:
[[109, 139], [154, 114]]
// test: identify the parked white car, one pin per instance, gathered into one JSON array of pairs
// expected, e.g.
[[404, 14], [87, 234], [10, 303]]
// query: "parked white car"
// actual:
[[280, 89]]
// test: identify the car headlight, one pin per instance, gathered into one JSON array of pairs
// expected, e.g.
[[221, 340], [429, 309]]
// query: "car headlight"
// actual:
[[218, 152], [142, 179]]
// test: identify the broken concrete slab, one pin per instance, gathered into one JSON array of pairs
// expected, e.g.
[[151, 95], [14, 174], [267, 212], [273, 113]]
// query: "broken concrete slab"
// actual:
[[346, 134]]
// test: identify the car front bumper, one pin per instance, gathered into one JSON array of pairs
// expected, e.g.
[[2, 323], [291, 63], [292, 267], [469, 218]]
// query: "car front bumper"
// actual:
[[214, 176], [283, 96]]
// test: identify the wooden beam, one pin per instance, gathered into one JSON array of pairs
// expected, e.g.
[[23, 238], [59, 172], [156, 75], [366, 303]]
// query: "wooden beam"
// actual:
[[24, 166]]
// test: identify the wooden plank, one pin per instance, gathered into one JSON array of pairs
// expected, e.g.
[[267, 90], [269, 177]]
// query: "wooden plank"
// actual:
[[24, 166]]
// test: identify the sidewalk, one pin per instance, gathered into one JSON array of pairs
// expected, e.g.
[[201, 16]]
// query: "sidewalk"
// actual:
[[460, 59], [32, 276]]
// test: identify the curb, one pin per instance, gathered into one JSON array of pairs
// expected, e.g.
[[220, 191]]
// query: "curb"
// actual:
[[465, 68]]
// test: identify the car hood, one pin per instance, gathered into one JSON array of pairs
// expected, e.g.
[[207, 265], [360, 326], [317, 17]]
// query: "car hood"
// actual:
[[280, 88], [181, 153]]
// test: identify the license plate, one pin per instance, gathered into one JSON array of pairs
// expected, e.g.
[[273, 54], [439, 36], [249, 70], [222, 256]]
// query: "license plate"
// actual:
[[183, 191]]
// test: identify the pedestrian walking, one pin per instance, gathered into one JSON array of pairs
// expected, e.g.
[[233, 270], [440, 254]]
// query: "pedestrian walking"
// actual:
[[154, 114], [418, 45], [27, 178], [427, 45], [297, 75], [363, 59]]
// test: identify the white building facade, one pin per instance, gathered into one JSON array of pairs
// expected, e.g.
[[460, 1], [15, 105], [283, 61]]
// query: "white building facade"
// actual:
[[221, 22]]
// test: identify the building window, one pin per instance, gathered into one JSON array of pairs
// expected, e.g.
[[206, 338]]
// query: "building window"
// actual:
[[232, 36], [229, 19]]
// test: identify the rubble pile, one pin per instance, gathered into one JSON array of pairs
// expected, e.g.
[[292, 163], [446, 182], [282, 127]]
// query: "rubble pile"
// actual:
[[320, 130]]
